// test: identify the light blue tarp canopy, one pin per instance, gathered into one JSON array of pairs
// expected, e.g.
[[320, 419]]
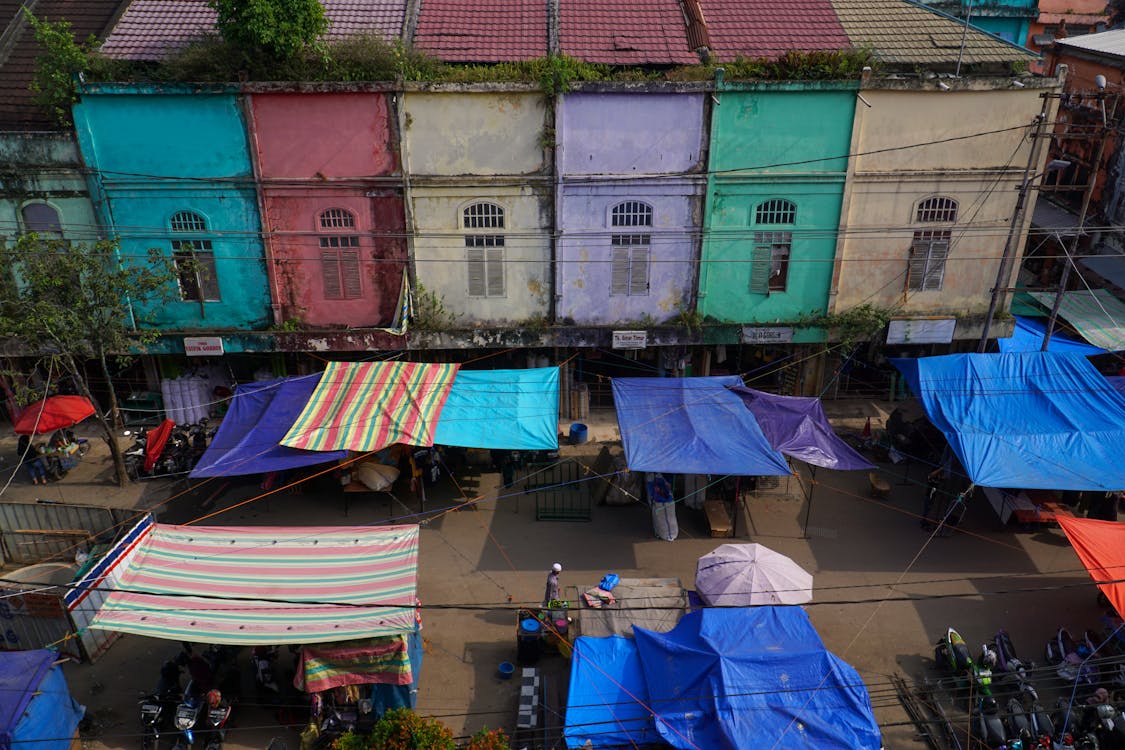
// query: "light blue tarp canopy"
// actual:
[[512, 409], [260, 415], [1036, 420], [739, 678], [692, 426], [36, 710], [1028, 337]]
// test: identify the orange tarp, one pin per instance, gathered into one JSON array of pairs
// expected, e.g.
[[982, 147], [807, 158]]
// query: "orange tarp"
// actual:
[[1101, 548]]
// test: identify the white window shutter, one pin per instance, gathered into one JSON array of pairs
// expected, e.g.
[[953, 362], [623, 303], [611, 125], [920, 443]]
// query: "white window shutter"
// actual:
[[350, 275], [495, 271], [638, 271], [935, 268], [475, 256], [619, 277], [330, 270], [761, 258]]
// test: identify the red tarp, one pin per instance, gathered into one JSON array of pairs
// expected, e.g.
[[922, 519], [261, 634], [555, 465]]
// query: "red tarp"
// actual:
[[52, 413], [1101, 548], [157, 438]]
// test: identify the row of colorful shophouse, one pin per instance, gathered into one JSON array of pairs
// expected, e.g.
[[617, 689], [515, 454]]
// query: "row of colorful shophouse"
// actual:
[[683, 217]]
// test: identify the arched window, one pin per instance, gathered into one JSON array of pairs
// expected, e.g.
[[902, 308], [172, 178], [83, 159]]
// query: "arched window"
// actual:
[[929, 249], [194, 258], [339, 255], [41, 218], [484, 248], [631, 252], [769, 266]]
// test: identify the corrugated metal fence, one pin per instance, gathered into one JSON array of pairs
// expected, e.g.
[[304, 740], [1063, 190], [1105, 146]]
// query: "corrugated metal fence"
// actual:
[[38, 532]]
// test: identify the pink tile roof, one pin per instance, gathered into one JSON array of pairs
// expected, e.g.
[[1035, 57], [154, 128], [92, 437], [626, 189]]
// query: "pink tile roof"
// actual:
[[150, 29], [482, 30], [625, 32], [768, 28]]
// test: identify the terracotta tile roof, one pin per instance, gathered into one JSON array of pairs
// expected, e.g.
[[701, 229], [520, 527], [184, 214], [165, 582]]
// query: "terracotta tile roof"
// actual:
[[908, 33], [625, 32], [768, 28], [17, 111], [150, 29], [482, 30]]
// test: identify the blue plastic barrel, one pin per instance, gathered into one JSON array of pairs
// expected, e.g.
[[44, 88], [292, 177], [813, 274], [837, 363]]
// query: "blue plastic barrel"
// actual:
[[577, 433]]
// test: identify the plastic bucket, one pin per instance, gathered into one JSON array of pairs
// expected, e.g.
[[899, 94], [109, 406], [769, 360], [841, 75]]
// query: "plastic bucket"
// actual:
[[577, 433], [530, 626], [506, 670]]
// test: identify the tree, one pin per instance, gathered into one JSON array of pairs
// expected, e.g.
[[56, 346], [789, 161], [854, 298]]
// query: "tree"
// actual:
[[63, 58], [277, 28], [71, 303]]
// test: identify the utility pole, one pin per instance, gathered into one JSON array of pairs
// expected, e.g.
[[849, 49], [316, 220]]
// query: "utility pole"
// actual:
[[1000, 288]]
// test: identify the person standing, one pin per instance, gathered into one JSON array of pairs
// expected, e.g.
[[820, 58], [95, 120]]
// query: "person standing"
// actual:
[[552, 592]]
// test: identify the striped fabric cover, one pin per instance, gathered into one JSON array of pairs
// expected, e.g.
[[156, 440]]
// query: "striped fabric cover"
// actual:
[[383, 661], [247, 585], [366, 406]]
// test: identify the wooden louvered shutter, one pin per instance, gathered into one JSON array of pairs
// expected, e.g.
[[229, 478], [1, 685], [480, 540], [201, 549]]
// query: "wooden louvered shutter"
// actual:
[[349, 273], [638, 271], [935, 268], [494, 270], [330, 270], [475, 256], [619, 278], [760, 261]]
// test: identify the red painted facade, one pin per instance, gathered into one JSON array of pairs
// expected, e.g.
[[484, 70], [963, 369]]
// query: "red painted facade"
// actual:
[[333, 209]]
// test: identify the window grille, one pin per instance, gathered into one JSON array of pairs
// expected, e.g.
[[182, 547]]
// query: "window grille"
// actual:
[[483, 216], [188, 221], [776, 211], [337, 218], [937, 209], [631, 214]]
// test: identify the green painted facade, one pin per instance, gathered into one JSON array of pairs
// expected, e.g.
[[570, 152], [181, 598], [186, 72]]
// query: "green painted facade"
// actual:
[[776, 181]]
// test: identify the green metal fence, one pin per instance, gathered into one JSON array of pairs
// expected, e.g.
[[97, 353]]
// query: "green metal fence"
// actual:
[[559, 492]]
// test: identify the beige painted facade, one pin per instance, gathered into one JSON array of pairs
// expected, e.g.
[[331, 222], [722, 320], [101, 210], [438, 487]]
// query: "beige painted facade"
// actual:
[[463, 146], [889, 176]]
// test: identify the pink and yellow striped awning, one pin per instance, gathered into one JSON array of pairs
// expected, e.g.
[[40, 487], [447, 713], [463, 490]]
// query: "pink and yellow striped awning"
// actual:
[[267, 585], [366, 406]]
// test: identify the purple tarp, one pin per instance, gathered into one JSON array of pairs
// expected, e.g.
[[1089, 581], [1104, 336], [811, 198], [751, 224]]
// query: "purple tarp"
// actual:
[[798, 427], [1118, 382]]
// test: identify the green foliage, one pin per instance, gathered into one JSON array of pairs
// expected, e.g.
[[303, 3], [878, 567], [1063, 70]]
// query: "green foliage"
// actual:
[[401, 729], [63, 58], [489, 739], [688, 318], [278, 28], [856, 324], [819, 65], [428, 311]]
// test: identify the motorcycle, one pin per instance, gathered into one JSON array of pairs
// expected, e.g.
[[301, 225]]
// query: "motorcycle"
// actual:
[[201, 717], [333, 713], [157, 707], [953, 652], [988, 723], [1070, 658]]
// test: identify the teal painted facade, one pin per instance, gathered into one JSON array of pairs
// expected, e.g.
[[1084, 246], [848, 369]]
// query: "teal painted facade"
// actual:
[[170, 168], [1008, 19], [775, 187], [43, 168]]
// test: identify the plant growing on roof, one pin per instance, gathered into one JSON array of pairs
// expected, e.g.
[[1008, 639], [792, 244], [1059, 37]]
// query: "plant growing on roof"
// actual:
[[279, 28], [63, 58], [853, 325]]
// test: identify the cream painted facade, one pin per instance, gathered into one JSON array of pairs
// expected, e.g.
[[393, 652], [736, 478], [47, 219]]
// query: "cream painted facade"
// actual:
[[472, 146], [889, 177]]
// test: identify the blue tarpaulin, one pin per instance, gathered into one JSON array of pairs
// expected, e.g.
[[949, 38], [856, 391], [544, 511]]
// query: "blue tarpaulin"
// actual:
[[1034, 420], [738, 678], [512, 409], [1028, 337], [798, 427], [36, 709], [260, 415], [692, 426]]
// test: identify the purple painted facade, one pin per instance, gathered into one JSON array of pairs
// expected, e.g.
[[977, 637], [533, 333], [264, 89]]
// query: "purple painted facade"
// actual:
[[628, 206]]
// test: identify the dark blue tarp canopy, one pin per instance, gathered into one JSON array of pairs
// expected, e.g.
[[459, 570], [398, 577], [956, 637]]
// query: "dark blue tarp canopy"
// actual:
[[260, 415], [1028, 337], [691, 426], [36, 710], [512, 409], [738, 678], [1034, 420], [798, 427]]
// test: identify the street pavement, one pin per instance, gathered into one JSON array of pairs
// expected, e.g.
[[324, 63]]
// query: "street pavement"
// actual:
[[476, 565]]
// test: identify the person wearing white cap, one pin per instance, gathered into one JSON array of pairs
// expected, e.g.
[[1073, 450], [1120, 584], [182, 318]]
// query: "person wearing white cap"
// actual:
[[552, 593]]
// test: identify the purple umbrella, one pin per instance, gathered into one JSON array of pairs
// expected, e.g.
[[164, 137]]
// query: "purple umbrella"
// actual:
[[740, 575]]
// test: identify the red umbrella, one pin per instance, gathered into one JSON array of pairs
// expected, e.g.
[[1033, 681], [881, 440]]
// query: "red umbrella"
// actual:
[[53, 413]]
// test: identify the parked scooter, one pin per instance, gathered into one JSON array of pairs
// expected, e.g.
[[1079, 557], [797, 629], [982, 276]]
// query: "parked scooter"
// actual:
[[988, 723], [1070, 657], [953, 652], [201, 718], [333, 714], [158, 706]]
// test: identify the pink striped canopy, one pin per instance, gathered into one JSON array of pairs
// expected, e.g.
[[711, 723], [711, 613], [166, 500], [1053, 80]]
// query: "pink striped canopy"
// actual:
[[366, 406], [267, 585]]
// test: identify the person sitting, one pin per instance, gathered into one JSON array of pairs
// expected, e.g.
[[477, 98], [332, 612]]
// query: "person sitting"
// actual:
[[36, 464]]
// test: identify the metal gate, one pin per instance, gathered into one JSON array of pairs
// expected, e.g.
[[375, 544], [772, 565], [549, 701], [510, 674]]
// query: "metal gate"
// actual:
[[36, 532], [560, 491]]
